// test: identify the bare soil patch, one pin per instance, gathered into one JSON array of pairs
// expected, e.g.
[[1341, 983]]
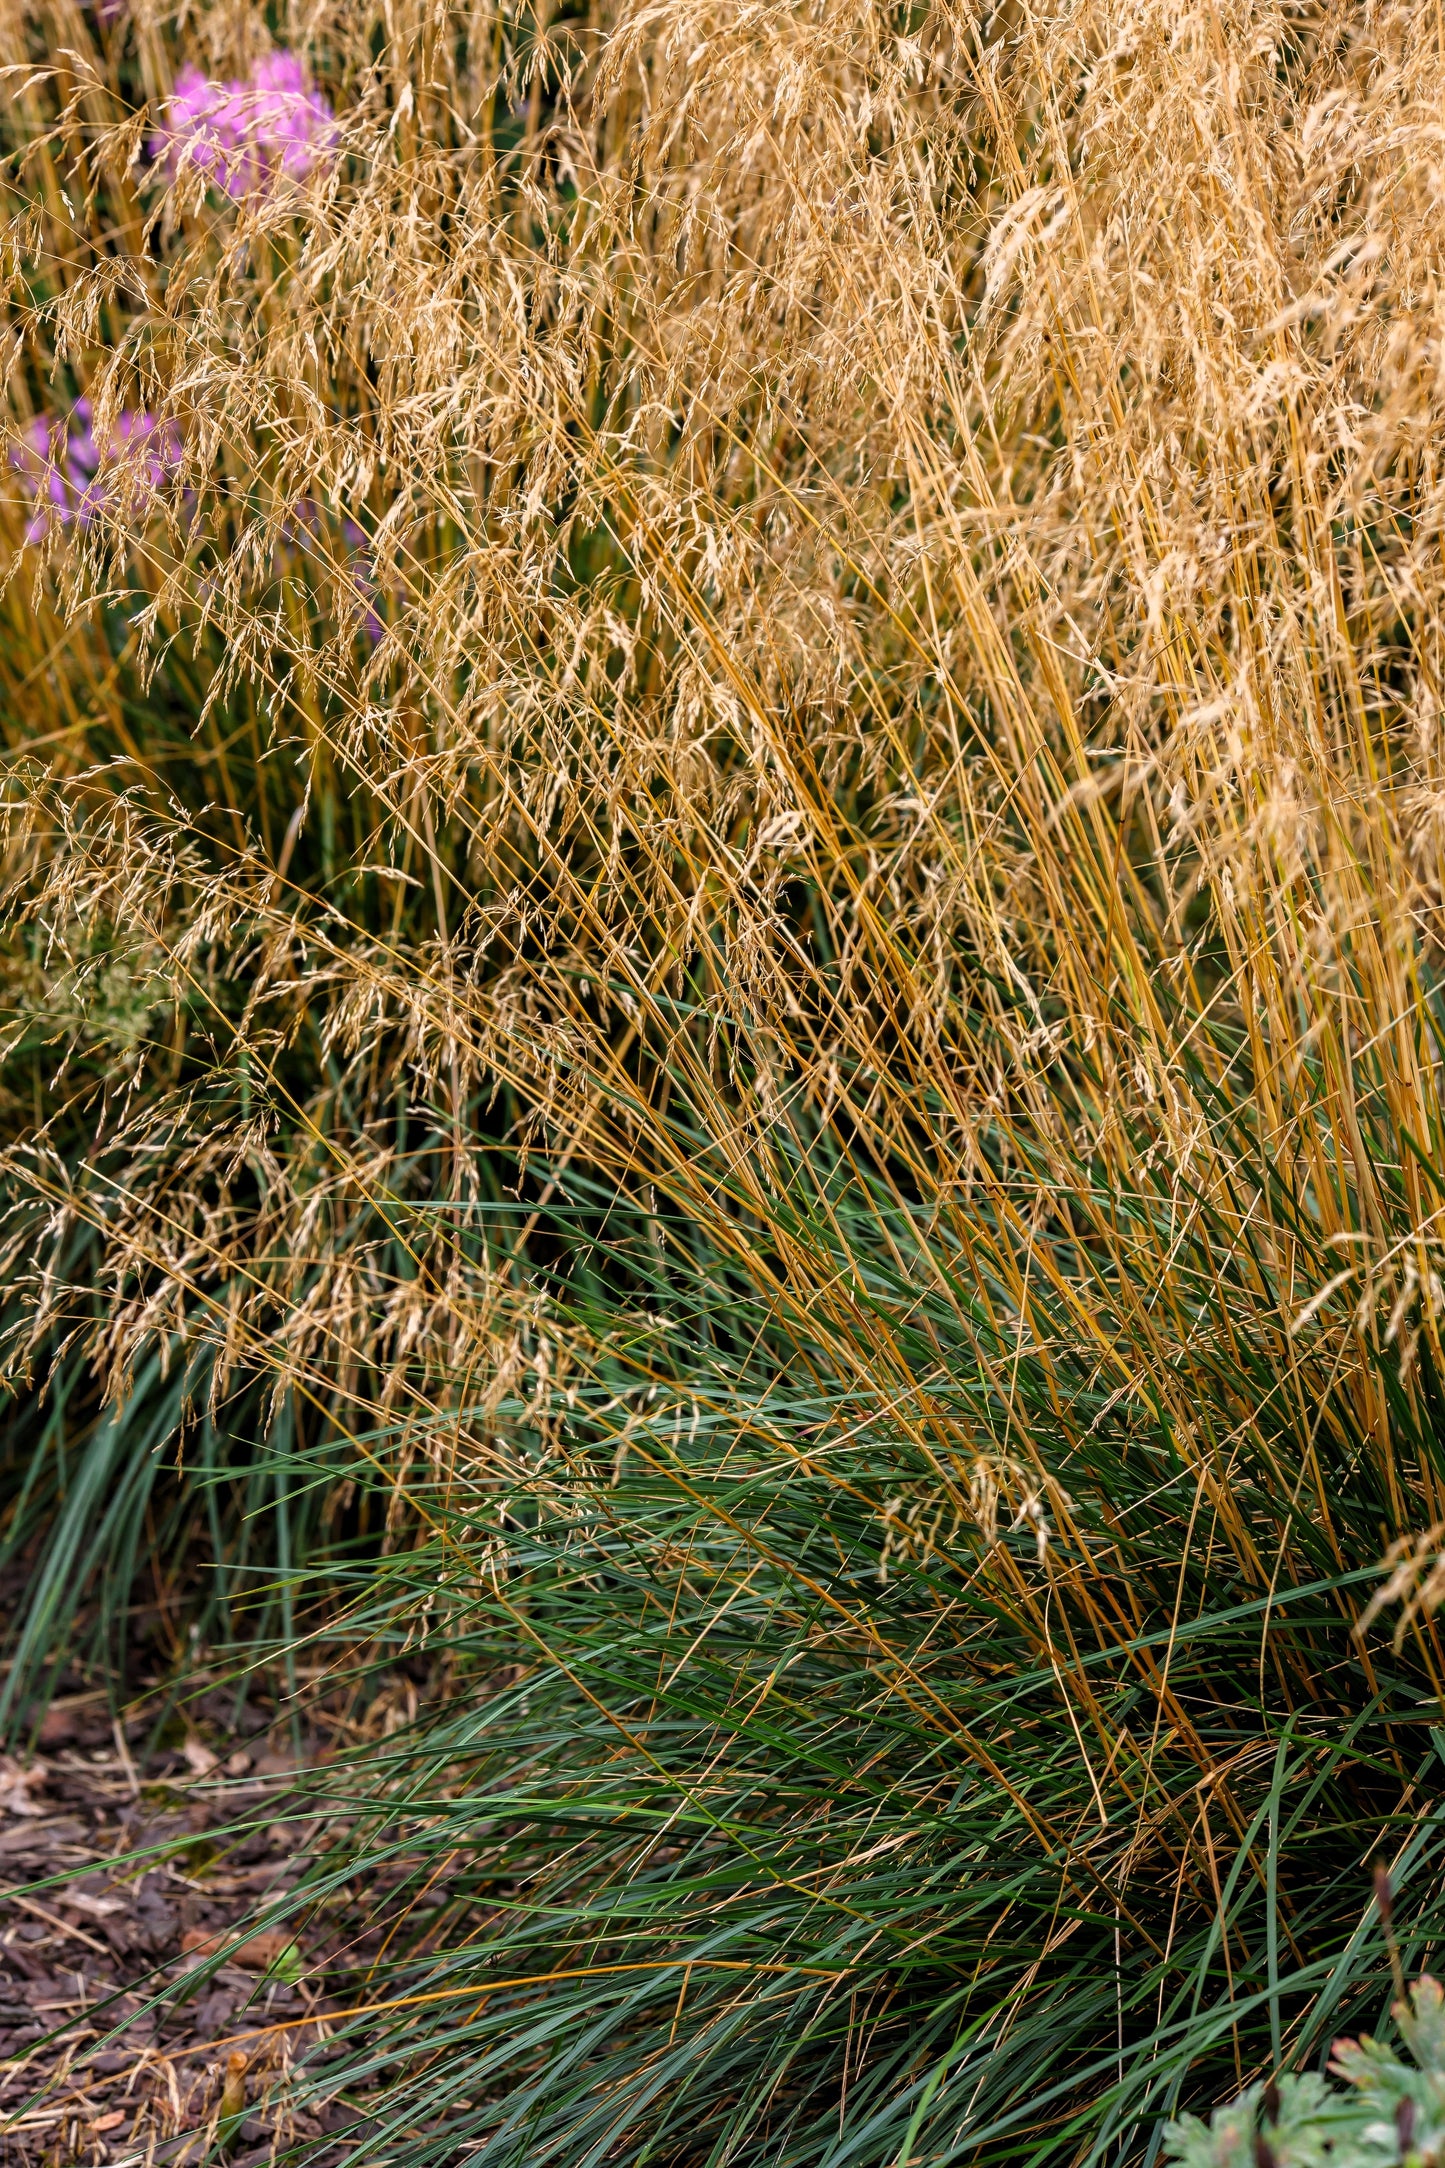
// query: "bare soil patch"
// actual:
[[124, 1875]]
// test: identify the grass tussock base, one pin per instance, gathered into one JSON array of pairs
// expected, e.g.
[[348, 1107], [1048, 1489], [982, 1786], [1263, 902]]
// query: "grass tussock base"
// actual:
[[723, 851]]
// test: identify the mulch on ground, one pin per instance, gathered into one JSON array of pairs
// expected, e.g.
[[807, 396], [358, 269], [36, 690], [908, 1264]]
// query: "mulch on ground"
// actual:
[[121, 1877]]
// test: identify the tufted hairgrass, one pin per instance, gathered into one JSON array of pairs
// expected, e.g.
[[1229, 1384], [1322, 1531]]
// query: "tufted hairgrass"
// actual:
[[797, 1126]]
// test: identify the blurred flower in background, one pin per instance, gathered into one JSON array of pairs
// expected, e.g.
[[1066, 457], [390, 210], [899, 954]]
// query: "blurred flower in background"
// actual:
[[358, 561], [60, 464], [56, 483], [245, 132], [69, 474]]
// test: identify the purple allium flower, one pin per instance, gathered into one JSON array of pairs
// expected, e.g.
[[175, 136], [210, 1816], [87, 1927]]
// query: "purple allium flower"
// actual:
[[244, 132], [60, 464]]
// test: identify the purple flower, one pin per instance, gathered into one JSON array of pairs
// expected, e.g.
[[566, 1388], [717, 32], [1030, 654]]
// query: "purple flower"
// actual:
[[60, 464], [363, 579], [245, 132], [145, 450], [308, 516], [290, 121], [57, 483]]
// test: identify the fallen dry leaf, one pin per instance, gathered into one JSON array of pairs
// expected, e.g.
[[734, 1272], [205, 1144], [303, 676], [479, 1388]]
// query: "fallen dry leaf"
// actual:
[[112, 2121], [257, 1954], [96, 1908], [16, 1785]]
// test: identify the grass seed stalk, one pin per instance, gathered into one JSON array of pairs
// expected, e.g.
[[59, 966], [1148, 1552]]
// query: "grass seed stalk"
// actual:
[[722, 844]]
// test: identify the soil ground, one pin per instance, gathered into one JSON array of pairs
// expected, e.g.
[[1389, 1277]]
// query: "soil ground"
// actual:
[[122, 1874]]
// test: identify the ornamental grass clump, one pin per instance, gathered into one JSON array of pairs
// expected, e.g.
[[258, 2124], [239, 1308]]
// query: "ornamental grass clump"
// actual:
[[722, 1016]]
